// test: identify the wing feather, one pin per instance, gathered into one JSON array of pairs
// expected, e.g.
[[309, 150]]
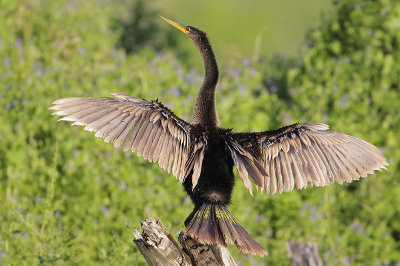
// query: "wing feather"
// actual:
[[118, 129], [164, 156], [129, 143], [125, 133], [139, 137], [149, 143], [155, 143], [135, 124], [273, 177], [299, 154], [279, 174], [160, 147], [300, 181]]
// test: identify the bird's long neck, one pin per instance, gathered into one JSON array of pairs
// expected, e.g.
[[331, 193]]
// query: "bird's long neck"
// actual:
[[205, 112]]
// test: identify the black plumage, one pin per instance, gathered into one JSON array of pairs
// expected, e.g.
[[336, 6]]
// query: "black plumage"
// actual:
[[201, 154]]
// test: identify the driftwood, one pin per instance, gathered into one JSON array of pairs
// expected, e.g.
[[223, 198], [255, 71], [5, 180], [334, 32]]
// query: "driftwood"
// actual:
[[158, 247]]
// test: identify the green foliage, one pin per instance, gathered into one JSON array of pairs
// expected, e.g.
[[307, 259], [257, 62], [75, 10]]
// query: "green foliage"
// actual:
[[349, 78], [142, 29], [67, 197]]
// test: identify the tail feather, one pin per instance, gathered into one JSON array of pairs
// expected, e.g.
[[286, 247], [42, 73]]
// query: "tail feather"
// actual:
[[213, 223]]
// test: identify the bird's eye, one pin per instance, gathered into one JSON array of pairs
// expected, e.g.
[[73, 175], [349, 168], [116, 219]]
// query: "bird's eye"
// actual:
[[187, 29]]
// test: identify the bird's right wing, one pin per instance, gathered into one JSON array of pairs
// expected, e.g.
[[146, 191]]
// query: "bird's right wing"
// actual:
[[135, 124]]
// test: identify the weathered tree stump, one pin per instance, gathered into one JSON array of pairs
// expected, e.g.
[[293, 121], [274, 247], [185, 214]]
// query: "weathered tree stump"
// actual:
[[158, 247]]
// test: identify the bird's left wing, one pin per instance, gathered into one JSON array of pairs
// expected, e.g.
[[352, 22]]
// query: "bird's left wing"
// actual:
[[135, 124], [299, 154]]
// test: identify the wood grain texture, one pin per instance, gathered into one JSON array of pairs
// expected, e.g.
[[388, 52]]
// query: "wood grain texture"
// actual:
[[159, 248]]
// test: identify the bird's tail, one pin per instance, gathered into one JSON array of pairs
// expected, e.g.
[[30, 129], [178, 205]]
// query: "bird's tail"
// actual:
[[212, 223]]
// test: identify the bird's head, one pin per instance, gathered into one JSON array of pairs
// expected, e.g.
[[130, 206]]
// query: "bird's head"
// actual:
[[201, 42], [196, 35]]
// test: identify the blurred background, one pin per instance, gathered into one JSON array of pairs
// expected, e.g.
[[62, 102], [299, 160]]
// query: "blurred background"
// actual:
[[246, 29], [67, 197]]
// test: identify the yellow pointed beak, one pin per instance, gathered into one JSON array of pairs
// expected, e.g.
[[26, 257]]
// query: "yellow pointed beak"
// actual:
[[176, 25]]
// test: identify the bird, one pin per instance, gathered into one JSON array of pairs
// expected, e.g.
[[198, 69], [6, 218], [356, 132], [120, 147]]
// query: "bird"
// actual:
[[202, 155]]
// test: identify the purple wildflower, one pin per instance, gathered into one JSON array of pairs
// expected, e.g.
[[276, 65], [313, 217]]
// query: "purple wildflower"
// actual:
[[328, 253], [270, 233], [286, 117], [193, 77], [314, 213], [82, 50], [357, 227], [241, 87], [346, 261], [38, 68], [157, 179], [176, 92], [6, 62], [252, 72], [122, 185], [160, 54], [245, 62], [273, 89], [258, 218], [343, 101], [18, 44], [105, 210]]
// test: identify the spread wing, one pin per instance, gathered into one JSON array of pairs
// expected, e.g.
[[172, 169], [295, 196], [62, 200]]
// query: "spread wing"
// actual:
[[300, 154], [135, 124]]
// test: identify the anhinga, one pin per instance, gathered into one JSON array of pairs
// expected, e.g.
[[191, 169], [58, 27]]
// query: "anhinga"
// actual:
[[202, 155]]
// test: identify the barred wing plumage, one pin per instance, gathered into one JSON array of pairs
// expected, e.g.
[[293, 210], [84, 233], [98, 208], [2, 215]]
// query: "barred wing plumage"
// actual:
[[299, 154], [135, 124]]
